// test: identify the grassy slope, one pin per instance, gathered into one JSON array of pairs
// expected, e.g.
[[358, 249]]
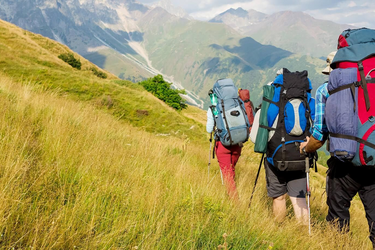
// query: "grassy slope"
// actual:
[[18, 60], [118, 65], [77, 174]]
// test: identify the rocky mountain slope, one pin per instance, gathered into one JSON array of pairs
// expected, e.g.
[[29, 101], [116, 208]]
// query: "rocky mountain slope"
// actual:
[[297, 32], [198, 53], [239, 19], [98, 30], [134, 41]]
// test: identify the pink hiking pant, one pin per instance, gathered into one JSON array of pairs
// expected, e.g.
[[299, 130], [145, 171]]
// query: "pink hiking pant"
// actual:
[[227, 158]]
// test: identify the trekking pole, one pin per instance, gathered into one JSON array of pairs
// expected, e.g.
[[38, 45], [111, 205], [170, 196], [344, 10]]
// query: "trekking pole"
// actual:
[[209, 158], [209, 162], [308, 193], [256, 179], [221, 175]]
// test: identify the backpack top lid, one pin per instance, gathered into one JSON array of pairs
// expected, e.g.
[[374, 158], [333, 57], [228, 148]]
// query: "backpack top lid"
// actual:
[[297, 79], [354, 45], [244, 94], [225, 89]]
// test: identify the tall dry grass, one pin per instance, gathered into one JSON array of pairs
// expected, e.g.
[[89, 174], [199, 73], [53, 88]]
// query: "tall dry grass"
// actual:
[[74, 177]]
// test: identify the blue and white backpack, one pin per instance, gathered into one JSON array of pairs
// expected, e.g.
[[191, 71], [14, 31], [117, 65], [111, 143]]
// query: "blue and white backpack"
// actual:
[[231, 121], [289, 118]]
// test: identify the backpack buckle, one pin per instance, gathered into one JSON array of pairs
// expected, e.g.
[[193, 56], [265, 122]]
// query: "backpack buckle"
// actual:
[[360, 66], [282, 165]]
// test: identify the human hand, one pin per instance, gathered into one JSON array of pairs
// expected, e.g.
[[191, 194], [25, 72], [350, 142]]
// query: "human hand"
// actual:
[[303, 144]]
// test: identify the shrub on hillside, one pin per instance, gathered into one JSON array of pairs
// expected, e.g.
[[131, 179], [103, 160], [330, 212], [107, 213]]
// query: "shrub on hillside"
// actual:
[[71, 60], [98, 73], [162, 90]]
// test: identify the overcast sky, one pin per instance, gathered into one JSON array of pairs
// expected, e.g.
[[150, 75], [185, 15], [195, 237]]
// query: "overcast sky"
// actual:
[[359, 13]]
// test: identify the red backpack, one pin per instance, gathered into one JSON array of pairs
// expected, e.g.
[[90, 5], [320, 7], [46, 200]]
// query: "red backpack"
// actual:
[[356, 49], [244, 94]]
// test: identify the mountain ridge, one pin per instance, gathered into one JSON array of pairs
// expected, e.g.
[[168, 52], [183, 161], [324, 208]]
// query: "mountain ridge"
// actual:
[[242, 18], [294, 31], [170, 8], [136, 42]]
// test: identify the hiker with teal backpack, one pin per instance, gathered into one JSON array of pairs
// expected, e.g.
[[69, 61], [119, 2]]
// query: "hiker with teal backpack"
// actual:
[[285, 117], [345, 116], [228, 120]]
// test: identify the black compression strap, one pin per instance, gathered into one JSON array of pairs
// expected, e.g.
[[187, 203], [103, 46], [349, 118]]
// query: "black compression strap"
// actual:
[[266, 127], [307, 113], [364, 85], [341, 88], [270, 101], [226, 122], [281, 124], [354, 138], [352, 88], [351, 85]]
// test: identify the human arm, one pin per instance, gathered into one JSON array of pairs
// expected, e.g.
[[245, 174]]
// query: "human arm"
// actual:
[[311, 145], [319, 131]]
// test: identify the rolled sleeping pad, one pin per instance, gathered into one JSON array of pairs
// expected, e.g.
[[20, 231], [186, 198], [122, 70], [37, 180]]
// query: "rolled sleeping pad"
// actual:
[[342, 113], [262, 135]]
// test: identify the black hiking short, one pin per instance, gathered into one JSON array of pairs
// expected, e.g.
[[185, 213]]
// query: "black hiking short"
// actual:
[[344, 181], [282, 182]]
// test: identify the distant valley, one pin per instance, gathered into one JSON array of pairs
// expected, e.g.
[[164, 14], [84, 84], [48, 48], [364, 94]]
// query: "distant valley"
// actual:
[[134, 41]]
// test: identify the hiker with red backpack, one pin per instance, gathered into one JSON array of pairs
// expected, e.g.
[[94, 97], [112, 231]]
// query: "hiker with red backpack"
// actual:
[[228, 117], [345, 115]]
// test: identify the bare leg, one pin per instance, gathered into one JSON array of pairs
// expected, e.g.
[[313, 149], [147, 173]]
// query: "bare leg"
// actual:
[[279, 208], [300, 209]]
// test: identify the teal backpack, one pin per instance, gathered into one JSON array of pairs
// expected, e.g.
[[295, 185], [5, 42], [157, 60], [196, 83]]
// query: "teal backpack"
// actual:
[[231, 121]]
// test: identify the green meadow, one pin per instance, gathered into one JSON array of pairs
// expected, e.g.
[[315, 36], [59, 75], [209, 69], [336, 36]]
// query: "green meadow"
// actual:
[[91, 163]]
